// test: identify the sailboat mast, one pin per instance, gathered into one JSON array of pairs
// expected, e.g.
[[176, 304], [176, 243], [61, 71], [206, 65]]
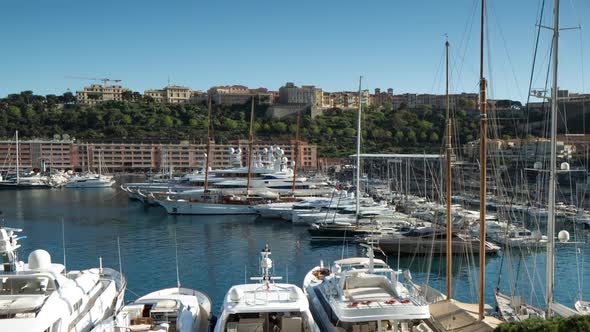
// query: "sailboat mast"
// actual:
[[358, 153], [552, 166], [208, 151], [449, 177], [17, 159], [250, 143], [99, 162], [296, 152], [482, 167]]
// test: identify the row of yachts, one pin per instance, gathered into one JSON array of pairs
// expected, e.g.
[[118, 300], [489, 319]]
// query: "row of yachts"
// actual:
[[351, 294], [335, 216], [56, 179]]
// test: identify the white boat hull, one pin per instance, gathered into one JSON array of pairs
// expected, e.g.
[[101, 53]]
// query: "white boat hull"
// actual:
[[200, 208]]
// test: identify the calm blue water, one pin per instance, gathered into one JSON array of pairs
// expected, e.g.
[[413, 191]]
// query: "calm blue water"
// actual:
[[215, 253]]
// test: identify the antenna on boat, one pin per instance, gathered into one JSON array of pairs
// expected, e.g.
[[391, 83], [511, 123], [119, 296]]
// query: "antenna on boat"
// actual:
[[176, 259], [63, 242], [287, 272], [371, 256]]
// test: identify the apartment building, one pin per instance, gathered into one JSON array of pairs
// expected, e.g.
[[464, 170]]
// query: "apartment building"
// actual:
[[139, 156], [97, 93], [34, 154], [239, 94], [349, 99], [173, 94]]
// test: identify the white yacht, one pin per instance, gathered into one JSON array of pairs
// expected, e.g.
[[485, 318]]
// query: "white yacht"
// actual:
[[513, 308], [583, 307], [172, 309], [212, 205], [41, 296], [363, 294], [265, 306], [90, 181]]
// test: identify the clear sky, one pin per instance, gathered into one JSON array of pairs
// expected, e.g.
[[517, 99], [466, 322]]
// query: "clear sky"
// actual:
[[397, 44]]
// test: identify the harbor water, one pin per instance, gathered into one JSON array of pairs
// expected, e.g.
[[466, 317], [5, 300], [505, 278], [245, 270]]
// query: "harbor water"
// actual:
[[217, 252]]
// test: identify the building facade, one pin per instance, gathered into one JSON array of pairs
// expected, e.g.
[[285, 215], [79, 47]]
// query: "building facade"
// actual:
[[138, 156], [306, 94], [97, 93], [173, 94], [239, 94]]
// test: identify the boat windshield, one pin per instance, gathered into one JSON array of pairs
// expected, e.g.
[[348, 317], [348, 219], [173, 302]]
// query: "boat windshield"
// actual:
[[26, 285], [371, 326], [268, 321]]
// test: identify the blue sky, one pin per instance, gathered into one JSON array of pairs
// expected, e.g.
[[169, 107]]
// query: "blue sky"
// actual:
[[397, 44]]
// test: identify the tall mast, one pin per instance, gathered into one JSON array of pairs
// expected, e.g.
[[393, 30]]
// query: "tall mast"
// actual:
[[358, 154], [482, 167], [99, 162], [449, 180], [250, 143], [553, 165], [17, 159], [296, 152], [208, 146]]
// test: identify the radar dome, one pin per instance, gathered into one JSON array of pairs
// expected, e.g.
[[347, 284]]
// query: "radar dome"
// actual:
[[239, 151], [536, 234], [538, 165], [563, 236], [285, 159], [39, 260], [205, 155], [565, 166], [265, 150], [231, 150], [235, 294]]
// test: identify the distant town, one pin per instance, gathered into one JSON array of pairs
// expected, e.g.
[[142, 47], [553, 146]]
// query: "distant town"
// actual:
[[130, 132], [289, 99]]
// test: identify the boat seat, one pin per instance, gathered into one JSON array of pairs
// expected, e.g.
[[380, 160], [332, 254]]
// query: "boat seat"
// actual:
[[291, 324], [143, 321], [368, 294], [251, 325]]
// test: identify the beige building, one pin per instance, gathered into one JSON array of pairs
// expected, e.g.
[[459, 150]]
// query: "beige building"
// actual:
[[349, 99], [239, 94], [97, 93], [173, 94]]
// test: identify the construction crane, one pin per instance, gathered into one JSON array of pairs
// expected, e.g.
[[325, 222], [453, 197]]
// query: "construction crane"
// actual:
[[104, 81]]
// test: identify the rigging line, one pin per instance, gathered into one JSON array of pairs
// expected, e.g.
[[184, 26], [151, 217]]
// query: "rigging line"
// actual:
[[535, 50], [465, 39], [493, 14], [438, 72]]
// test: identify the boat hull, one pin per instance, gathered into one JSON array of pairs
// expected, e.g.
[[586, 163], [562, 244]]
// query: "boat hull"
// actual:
[[200, 208]]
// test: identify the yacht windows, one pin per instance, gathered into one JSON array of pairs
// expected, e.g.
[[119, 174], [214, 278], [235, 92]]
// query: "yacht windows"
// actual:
[[267, 322], [27, 285]]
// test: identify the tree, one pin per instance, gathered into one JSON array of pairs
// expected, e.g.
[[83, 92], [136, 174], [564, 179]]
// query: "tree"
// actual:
[[167, 121], [423, 136], [127, 95], [13, 112], [68, 98], [434, 137], [411, 136]]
